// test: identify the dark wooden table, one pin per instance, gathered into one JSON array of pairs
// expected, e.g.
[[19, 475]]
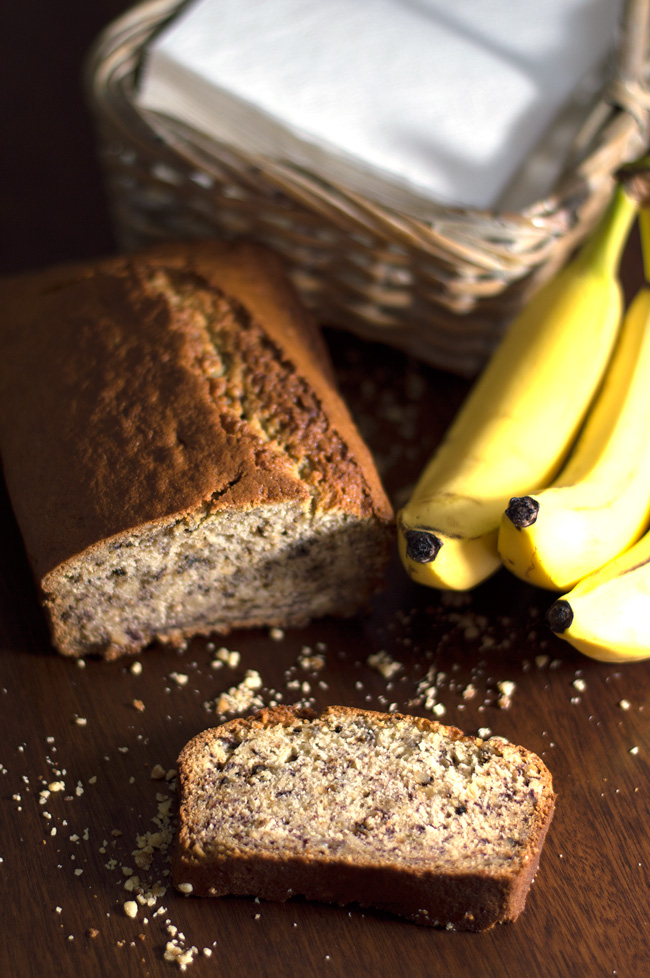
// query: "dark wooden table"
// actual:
[[81, 814]]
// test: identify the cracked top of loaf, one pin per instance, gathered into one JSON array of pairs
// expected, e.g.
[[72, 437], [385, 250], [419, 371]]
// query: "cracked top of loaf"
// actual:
[[140, 386]]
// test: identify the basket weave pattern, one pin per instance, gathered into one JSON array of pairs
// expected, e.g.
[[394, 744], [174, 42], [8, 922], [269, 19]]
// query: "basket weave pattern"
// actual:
[[442, 290]]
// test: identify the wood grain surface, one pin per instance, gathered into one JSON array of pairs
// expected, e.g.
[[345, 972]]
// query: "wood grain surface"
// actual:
[[91, 735]]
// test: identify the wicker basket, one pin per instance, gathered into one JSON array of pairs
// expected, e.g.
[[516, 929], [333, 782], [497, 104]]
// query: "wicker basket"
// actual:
[[442, 290]]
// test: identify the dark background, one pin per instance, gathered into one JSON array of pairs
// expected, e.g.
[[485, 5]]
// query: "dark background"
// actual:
[[51, 199]]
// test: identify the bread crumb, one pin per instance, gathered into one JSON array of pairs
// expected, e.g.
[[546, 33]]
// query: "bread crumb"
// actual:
[[624, 704], [224, 656], [310, 661], [178, 954], [276, 634], [80, 721], [242, 697], [384, 663], [427, 689], [252, 680], [157, 772], [506, 688], [136, 669]]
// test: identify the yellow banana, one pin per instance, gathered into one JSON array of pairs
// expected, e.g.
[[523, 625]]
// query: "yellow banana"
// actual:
[[600, 503], [521, 416], [607, 614]]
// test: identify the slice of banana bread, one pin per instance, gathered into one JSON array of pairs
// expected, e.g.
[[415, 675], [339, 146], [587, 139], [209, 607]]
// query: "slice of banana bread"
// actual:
[[177, 456], [389, 811]]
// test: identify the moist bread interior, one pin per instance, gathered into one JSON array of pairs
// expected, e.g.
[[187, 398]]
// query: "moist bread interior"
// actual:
[[358, 789], [262, 565]]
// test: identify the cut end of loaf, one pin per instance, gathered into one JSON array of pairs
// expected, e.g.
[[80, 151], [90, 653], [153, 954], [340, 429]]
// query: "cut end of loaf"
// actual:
[[276, 564], [387, 811]]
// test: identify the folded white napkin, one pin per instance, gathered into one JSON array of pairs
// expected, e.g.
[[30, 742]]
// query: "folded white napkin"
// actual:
[[408, 101]]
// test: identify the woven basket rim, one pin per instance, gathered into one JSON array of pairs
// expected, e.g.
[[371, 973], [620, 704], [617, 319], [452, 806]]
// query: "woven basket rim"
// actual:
[[621, 108], [442, 288]]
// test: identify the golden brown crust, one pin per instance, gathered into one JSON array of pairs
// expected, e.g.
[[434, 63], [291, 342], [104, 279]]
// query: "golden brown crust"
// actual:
[[465, 900], [112, 418]]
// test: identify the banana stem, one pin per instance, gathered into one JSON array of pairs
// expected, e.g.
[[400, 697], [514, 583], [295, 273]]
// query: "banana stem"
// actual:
[[422, 546], [604, 249], [559, 616], [522, 511]]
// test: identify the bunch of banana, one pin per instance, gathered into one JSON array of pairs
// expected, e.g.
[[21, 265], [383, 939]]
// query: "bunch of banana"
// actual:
[[607, 614], [518, 422], [600, 503]]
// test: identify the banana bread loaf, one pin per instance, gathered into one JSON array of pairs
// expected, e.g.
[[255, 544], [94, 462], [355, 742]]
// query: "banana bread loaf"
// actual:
[[176, 454], [385, 810]]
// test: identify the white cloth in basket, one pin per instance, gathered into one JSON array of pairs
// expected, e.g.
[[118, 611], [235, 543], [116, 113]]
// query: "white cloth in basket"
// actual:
[[407, 101]]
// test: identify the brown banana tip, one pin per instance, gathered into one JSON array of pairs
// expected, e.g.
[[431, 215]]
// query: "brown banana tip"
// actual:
[[559, 616], [635, 178], [522, 511], [422, 546]]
